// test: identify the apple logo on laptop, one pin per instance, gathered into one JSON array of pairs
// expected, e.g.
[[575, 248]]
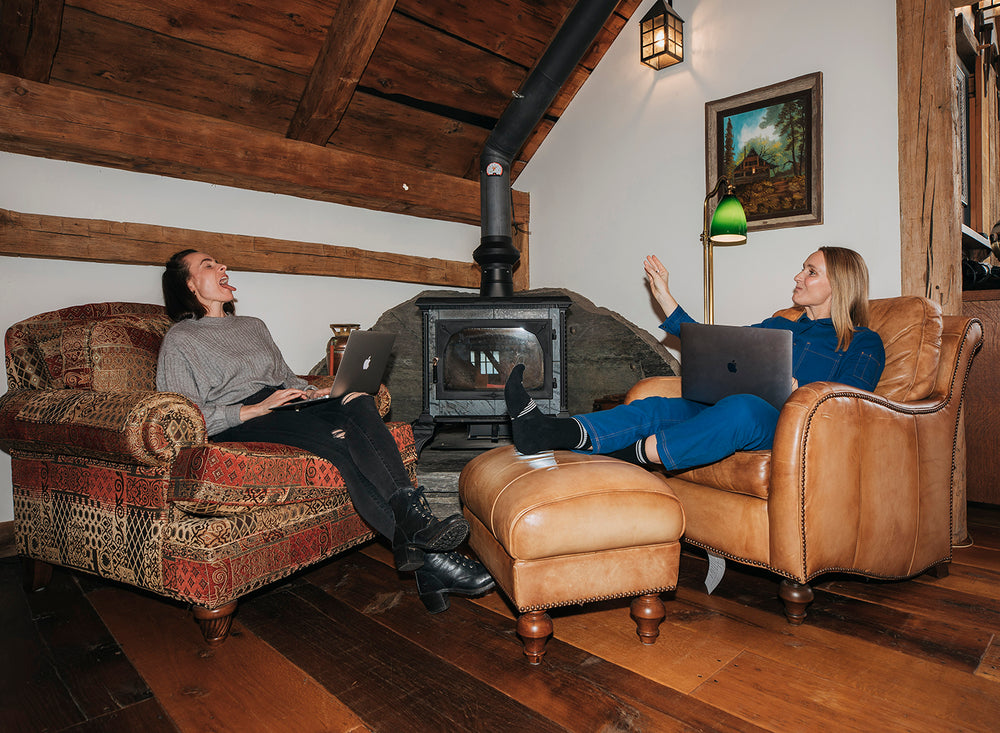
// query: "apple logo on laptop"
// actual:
[[367, 363], [731, 366]]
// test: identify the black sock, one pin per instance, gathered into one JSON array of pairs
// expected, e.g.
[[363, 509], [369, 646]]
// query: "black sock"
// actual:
[[635, 453], [533, 431]]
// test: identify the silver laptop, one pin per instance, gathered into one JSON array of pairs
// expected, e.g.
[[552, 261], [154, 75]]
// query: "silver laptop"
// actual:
[[361, 368], [718, 361]]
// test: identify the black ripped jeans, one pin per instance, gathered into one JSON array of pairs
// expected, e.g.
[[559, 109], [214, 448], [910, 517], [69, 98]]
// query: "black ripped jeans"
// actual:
[[366, 456]]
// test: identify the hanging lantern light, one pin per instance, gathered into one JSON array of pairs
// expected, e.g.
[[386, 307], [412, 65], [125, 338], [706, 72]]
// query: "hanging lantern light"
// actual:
[[662, 36]]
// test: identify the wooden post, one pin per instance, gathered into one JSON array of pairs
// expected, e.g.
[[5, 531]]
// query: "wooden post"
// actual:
[[929, 192]]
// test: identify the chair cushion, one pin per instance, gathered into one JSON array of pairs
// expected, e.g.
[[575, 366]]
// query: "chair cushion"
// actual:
[[911, 330], [219, 479], [52, 350], [746, 472], [124, 351]]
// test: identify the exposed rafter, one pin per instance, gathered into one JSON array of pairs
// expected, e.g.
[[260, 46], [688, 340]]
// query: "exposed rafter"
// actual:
[[37, 119], [29, 35], [349, 44]]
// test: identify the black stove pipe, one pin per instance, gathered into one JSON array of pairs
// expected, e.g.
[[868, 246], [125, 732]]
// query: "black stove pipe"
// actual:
[[496, 254]]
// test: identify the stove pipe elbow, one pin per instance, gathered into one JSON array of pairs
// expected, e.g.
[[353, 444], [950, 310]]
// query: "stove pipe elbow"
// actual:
[[496, 254]]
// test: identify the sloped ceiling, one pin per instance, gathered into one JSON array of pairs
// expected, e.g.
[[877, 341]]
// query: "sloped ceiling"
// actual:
[[375, 103]]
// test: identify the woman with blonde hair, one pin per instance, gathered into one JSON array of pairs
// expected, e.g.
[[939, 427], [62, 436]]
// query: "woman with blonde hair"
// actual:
[[831, 342]]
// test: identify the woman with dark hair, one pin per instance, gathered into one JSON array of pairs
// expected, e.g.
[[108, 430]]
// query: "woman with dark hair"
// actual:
[[230, 367], [831, 342]]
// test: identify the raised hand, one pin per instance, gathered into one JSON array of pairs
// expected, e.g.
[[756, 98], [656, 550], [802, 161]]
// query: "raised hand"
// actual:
[[659, 279]]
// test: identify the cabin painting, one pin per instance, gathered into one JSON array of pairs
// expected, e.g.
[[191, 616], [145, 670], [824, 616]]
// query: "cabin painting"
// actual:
[[768, 143]]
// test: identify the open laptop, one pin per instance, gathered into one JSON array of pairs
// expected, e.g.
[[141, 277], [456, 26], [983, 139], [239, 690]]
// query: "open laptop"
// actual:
[[361, 367], [718, 361]]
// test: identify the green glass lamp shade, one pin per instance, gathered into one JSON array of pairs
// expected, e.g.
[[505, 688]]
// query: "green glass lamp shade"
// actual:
[[729, 222]]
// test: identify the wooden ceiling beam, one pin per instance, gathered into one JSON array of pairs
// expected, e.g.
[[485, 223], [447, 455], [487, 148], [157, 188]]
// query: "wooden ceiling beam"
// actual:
[[70, 124], [29, 36], [350, 41], [95, 240]]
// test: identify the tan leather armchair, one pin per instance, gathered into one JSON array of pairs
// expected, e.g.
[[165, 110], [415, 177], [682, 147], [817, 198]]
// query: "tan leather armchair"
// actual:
[[856, 482]]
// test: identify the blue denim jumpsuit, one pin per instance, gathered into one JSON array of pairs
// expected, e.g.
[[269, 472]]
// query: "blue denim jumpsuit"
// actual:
[[693, 434]]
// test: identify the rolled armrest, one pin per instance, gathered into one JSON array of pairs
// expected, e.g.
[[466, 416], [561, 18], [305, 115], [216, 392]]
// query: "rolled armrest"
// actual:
[[654, 387], [843, 463], [131, 427], [827, 413]]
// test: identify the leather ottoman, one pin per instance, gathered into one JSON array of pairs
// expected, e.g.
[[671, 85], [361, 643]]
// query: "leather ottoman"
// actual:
[[561, 528]]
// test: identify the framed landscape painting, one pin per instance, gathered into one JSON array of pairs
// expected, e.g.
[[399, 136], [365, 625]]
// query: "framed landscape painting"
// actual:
[[768, 143]]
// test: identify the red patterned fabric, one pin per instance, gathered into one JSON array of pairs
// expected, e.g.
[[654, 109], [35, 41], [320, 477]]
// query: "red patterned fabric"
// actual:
[[116, 479], [212, 561], [234, 478], [52, 350]]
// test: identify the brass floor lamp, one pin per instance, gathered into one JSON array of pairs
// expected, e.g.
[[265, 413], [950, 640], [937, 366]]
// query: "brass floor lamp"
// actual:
[[728, 227]]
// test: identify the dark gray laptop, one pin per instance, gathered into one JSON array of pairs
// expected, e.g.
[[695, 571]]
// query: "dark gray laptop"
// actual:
[[718, 361], [361, 368]]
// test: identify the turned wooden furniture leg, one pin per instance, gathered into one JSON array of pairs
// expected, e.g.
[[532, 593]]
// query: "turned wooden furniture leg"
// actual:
[[940, 570], [795, 596], [648, 613], [215, 622], [37, 574], [534, 628]]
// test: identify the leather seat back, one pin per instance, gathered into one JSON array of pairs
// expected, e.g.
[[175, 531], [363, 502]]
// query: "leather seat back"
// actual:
[[911, 328]]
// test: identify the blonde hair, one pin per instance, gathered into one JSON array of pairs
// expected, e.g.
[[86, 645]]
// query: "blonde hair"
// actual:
[[848, 275]]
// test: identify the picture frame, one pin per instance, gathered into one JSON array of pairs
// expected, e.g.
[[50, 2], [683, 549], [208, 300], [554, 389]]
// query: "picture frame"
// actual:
[[768, 143]]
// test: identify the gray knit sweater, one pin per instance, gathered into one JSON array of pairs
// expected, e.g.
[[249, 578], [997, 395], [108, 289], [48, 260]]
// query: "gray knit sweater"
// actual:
[[218, 362]]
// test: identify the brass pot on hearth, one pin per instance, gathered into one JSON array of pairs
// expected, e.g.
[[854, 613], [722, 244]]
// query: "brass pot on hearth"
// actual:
[[338, 344]]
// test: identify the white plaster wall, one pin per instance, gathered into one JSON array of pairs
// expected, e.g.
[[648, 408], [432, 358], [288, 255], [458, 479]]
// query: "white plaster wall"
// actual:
[[297, 308], [623, 174]]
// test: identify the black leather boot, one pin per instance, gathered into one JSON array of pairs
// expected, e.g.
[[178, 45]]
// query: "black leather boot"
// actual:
[[418, 530], [450, 572]]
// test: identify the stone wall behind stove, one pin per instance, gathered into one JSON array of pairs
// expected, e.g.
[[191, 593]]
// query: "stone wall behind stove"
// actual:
[[606, 354]]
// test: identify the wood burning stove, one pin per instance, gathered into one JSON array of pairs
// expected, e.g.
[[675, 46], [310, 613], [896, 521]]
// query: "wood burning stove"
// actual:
[[470, 344]]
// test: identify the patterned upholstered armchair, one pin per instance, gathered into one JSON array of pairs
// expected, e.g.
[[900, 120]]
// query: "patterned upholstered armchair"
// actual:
[[116, 479]]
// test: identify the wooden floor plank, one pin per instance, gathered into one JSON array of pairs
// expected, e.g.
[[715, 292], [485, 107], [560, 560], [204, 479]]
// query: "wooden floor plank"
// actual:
[[33, 697], [389, 682], [989, 666], [797, 700], [840, 606], [606, 628], [242, 685], [930, 600], [146, 716], [970, 579], [853, 649], [90, 661], [486, 646], [680, 659]]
